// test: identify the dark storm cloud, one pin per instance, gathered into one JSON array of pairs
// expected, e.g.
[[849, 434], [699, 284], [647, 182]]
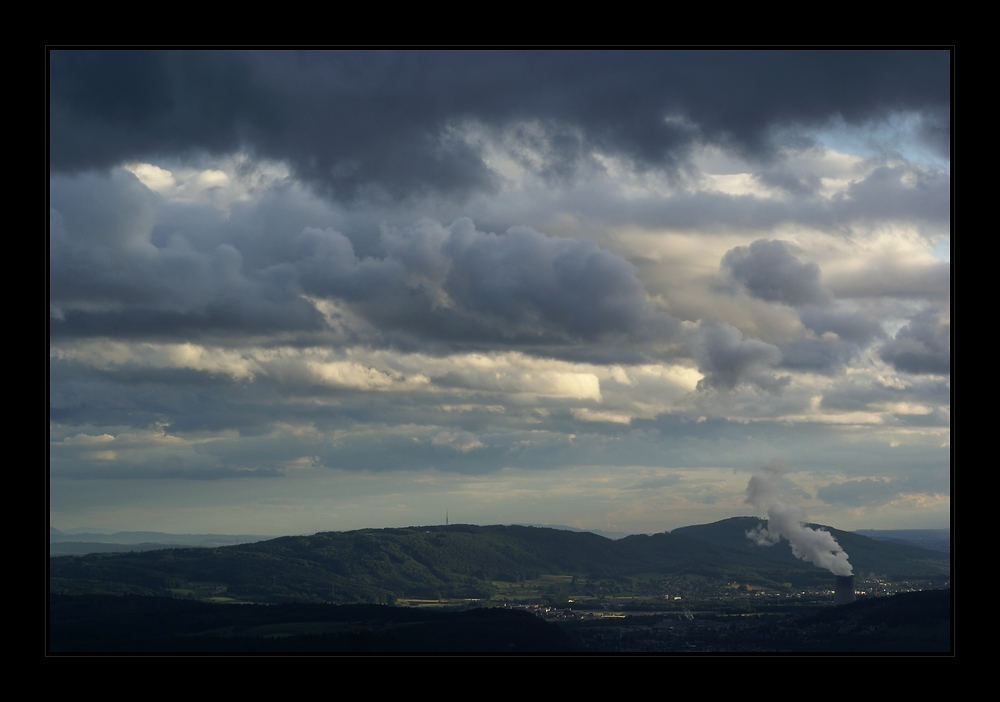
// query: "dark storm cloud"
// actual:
[[769, 270], [349, 120], [108, 278], [934, 130], [817, 355], [460, 284], [573, 285], [907, 193], [181, 399], [854, 331], [922, 346], [430, 283], [727, 360]]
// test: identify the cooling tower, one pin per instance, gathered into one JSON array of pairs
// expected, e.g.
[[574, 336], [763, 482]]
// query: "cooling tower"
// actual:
[[843, 591]]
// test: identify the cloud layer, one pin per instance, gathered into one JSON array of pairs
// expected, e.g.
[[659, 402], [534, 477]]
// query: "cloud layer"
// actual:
[[313, 267]]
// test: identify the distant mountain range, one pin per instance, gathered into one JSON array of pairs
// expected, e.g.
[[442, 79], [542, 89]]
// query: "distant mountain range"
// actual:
[[613, 535], [934, 539], [76, 542]]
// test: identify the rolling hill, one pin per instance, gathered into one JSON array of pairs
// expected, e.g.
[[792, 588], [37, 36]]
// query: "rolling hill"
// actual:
[[463, 561]]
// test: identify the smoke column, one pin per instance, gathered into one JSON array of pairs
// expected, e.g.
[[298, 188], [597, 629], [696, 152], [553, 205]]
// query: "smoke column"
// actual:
[[811, 545]]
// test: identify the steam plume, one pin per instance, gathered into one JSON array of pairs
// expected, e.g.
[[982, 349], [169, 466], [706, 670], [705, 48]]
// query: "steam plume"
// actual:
[[813, 545]]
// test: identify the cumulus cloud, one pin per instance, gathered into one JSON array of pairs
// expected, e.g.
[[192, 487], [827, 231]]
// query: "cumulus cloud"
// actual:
[[457, 283], [727, 360], [771, 271], [922, 346], [817, 355], [107, 276], [446, 283], [572, 285]]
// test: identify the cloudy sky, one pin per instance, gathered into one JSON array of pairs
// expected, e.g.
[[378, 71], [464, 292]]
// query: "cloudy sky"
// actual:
[[295, 292]]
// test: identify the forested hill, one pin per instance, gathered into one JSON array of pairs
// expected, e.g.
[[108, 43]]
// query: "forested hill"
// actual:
[[381, 565], [866, 554]]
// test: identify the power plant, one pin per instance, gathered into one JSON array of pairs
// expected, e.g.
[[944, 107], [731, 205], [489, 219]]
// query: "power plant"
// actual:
[[843, 590]]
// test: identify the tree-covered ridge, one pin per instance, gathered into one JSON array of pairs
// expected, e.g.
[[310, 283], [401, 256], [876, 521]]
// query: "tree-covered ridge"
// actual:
[[457, 561], [866, 554]]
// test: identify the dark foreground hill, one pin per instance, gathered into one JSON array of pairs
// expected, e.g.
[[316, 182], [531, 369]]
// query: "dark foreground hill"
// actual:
[[912, 622], [908, 622], [461, 561], [129, 624]]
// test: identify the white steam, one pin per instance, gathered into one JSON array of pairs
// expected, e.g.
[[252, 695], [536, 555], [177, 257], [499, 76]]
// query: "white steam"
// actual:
[[813, 545]]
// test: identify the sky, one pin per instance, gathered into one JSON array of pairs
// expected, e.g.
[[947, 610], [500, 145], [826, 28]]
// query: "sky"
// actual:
[[293, 292]]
